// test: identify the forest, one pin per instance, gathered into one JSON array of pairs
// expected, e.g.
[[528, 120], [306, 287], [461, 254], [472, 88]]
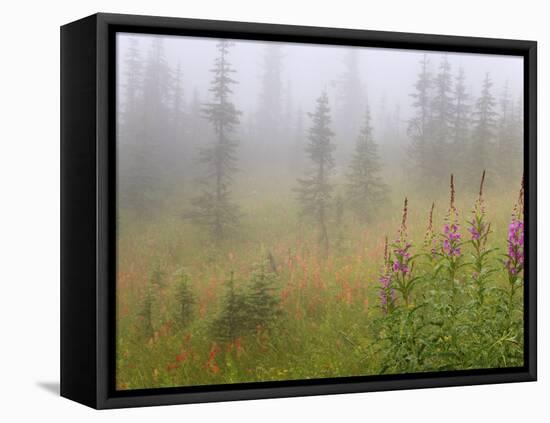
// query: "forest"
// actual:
[[293, 211]]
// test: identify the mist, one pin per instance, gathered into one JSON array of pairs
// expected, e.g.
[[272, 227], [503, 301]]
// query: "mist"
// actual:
[[164, 82]]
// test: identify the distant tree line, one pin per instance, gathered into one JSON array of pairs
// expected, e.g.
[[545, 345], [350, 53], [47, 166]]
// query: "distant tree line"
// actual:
[[452, 132], [169, 136]]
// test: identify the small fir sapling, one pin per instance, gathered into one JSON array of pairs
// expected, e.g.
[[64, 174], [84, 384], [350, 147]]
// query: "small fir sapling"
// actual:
[[232, 320], [263, 303], [185, 299]]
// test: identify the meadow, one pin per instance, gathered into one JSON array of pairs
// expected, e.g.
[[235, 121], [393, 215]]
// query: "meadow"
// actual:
[[417, 289]]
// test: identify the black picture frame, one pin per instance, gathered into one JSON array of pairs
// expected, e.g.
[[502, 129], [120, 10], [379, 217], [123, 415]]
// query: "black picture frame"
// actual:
[[88, 200]]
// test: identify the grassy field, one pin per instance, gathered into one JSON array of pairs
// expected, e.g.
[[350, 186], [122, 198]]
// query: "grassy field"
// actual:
[[330, 320]]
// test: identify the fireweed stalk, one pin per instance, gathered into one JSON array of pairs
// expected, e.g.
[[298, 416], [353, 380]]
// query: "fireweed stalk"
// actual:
[[387, 293], [514, 260], [451, 239], [430, 244], [402, 271], [479, 231]]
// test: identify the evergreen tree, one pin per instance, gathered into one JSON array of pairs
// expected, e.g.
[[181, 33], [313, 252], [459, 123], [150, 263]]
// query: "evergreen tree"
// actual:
[[365, 188], [232, 321], [178, 115], [315, 190], [157, 275], [263, 303], [270, 105], [339, 223], [186, 300], [509, 138], [297, 153], [350, 101], [129, 126], [441, 121], [418, 127], [214, 208], [177, 143], [483, 133], [133, 66], [144, 163], [198, 127], [146, 310], [460, 129]]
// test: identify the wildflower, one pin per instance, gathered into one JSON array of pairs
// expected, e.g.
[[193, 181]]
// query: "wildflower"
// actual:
[[387, 293], [478, 228], [516, 238], [429, 238], [402, 264], [402, 246], [451, 229]]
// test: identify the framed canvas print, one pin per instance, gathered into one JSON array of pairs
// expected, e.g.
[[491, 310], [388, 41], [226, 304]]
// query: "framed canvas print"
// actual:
[[254, 211]]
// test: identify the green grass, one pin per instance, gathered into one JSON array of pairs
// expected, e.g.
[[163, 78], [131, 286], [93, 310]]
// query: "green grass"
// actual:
[[330, 323]]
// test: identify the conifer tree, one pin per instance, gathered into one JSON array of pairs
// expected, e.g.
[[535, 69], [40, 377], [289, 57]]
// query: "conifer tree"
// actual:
[[366, 190], [185, 298], [483, 133], [133, 83], [297, 152], [460, 129], [314, 191], [270, 106], [157, 275], [145, 166], [178, 116], [232, 321], [441, 120], [263, 303], [146, 310], [214, 208], [129, 126], [350, 101], [509, 138], [176, 143], [419, 124]]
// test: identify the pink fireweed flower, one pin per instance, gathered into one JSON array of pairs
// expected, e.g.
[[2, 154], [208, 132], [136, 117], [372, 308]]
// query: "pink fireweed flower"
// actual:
[[401, 265], [516, 238], [387, 293], [515, 246]]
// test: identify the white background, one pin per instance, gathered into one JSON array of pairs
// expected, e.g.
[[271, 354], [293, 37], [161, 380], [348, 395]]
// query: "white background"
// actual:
[[29, 175]]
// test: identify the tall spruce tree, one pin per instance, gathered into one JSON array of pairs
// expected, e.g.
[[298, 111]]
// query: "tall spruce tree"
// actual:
[[461, 114], [270, 102], [314, 191], [214, 208], [483, 134], [442, 114], [179, 147], [133, 74], [296, 146], [509, 138], [366, 190], [145, 163], [128, 125], [419, 125], [350, 102]]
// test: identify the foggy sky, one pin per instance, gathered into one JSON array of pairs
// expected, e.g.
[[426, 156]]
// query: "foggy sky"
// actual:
[[387, 75]]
